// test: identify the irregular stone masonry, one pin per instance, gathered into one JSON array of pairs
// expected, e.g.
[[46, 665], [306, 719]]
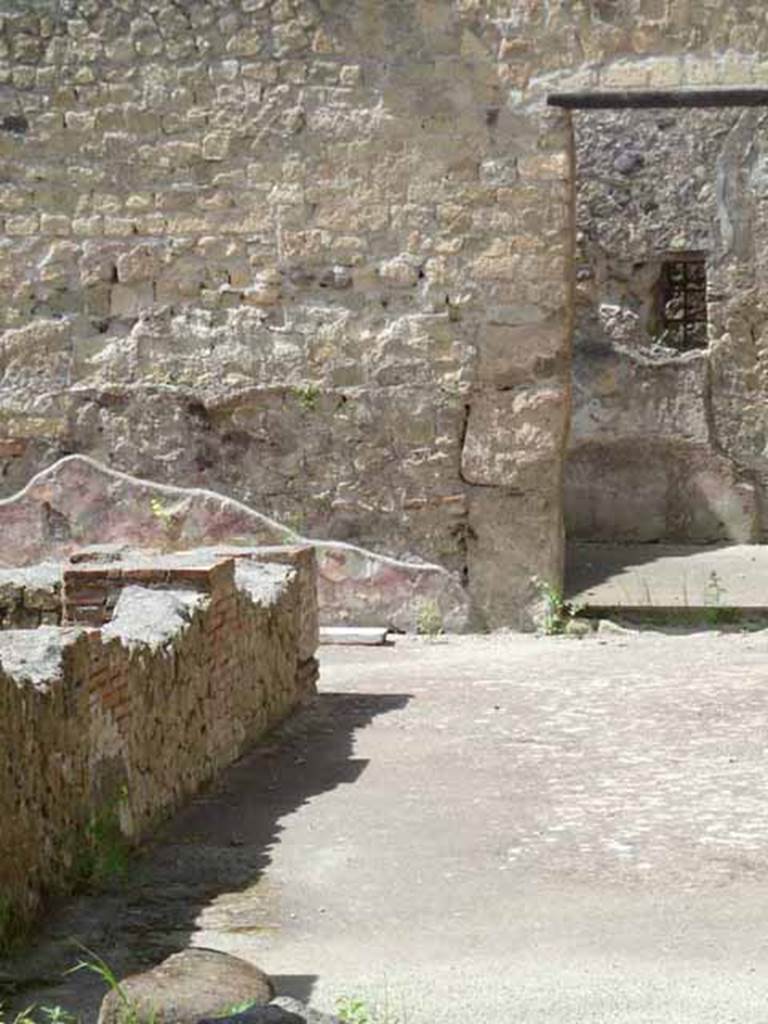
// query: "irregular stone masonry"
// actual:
[[105, 730], [318, 257], [682, 431]]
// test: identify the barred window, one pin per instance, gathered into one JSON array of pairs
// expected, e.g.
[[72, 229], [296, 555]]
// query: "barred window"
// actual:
[[681, 302]]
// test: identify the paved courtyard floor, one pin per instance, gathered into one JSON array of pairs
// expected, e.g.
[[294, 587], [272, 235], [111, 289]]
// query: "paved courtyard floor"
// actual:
[[508, 830], [672, 576]]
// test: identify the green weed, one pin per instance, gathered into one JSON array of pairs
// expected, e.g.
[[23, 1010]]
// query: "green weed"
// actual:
[[160, 511], [57, 1015], [237, 1008], [169, 519], [104, 853], [307, 396], [50, 1015], [353, 1010], [713, 598], [557, 611], [129, 1012], [429, 619]]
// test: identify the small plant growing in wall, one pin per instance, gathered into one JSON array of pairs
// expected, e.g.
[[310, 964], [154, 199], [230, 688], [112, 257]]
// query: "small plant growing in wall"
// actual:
[[558, 612], [429, 620], [170, 521], [104, 853], [307, 396]]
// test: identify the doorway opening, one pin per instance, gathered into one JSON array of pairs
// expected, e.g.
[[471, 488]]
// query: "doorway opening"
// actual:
[[668, 453]]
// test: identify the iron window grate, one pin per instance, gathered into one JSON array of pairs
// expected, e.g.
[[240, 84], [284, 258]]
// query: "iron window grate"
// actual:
[[682, 302]]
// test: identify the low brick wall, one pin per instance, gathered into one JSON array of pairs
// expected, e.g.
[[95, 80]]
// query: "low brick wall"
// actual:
[[30, 597], [107, 729]]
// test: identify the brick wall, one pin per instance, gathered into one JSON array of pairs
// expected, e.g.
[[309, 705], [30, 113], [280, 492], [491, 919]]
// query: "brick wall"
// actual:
[[30, 597], [125, 721]]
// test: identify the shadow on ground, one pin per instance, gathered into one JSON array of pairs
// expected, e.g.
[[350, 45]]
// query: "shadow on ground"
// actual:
[[587, 565], [220, 843]]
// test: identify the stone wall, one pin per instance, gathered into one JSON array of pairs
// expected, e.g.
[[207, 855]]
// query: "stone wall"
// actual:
[[316, 255], [105, 730], [78, 503], [682, 433], [30, 597]]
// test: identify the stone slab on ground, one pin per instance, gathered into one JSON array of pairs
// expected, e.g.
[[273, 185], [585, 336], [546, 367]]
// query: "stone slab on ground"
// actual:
[[637, 576], [371, 636], [508, 829]]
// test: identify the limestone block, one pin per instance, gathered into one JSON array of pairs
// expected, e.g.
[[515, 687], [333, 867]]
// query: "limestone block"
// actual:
[[246, 42], [400, 270], [130, 301], [97, 263], [216, 146], [266, 289], [13, 198], [514, 436], [59, 264], [22, 224], [288, 38], [545, 167], [514, 539], [350, 75], [182, 278], [141, 263], [39, 351], [511, 355], [54, 224], [140, 201], [121, 227], [26, 426], [96, 300]]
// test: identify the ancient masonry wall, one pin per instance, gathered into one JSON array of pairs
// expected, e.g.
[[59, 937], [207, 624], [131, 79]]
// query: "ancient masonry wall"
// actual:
[[682, 432], [317, 255], [104, 730], [30, 597]]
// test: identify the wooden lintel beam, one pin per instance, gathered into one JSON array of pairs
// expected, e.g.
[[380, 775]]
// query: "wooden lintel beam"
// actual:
[[627, 99]]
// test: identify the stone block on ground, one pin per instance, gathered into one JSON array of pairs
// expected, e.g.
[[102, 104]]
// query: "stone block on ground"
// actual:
[[188, 987]]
